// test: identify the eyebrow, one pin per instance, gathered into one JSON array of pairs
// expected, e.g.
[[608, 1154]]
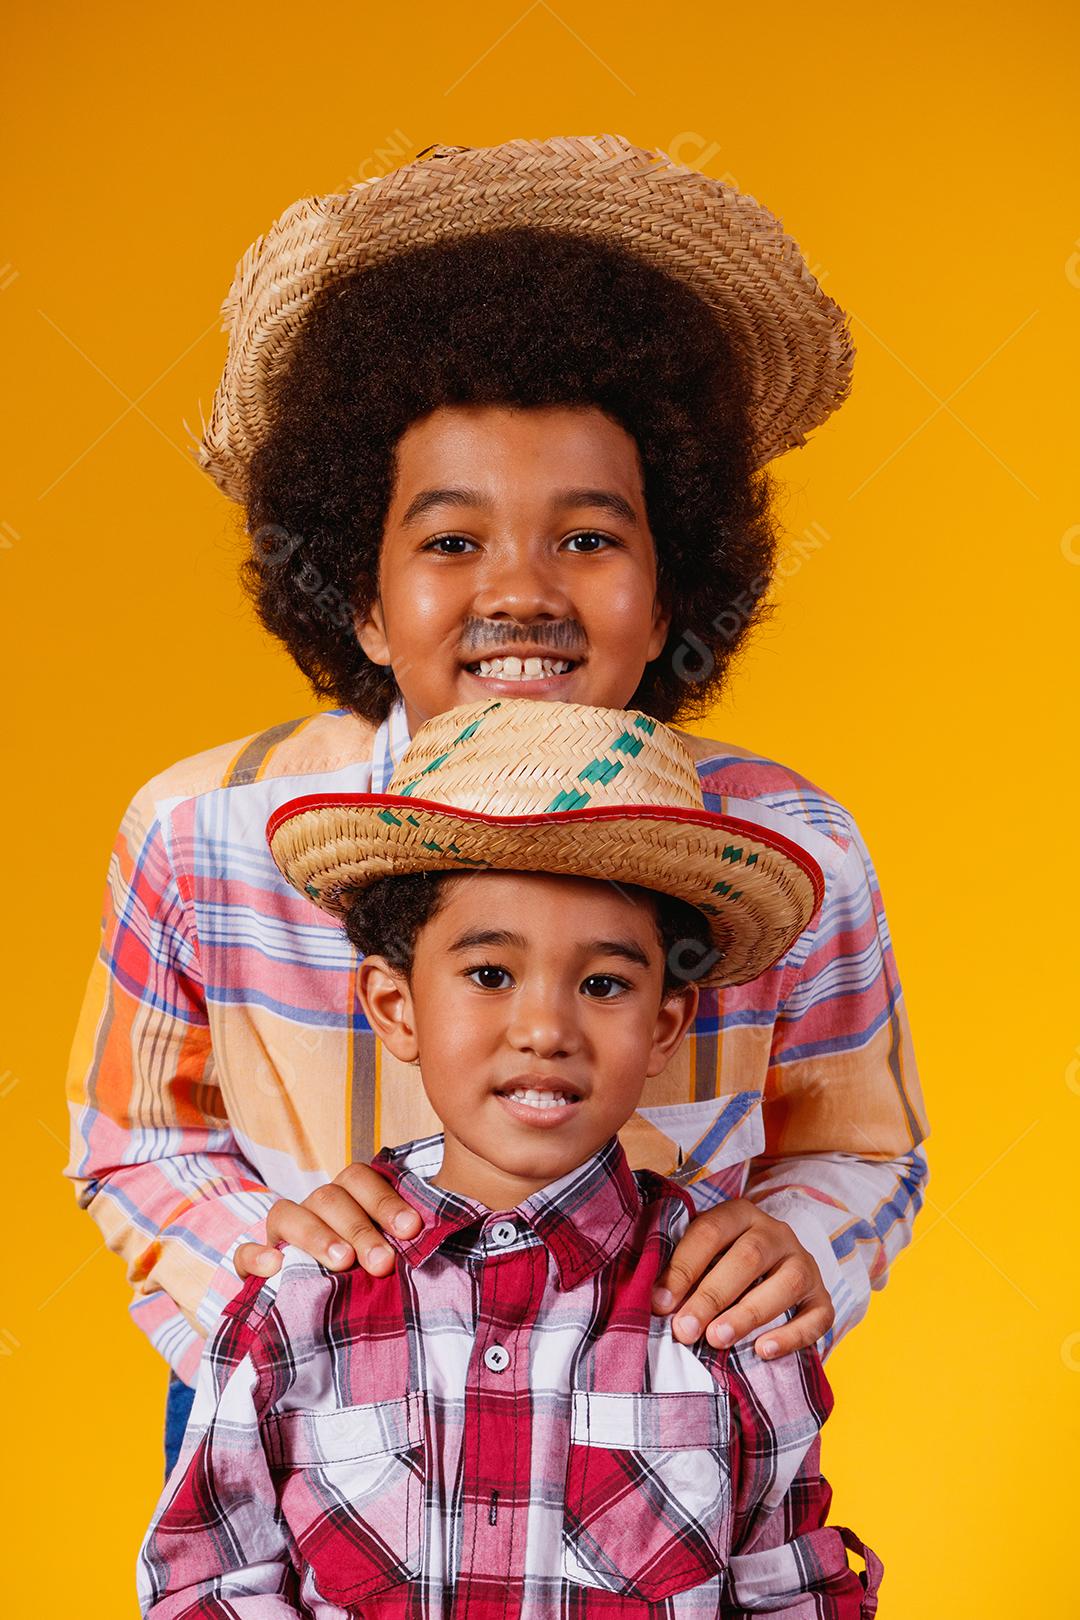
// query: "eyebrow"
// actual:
[[474, 938], [626, 948], [605, 499]]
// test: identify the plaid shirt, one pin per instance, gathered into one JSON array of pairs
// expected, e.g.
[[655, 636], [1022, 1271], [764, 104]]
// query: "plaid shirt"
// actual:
[[222, 1059], [499, 1429]]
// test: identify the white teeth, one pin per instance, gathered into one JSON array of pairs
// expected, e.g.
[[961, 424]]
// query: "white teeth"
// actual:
[[539, 1099], [517, 669]]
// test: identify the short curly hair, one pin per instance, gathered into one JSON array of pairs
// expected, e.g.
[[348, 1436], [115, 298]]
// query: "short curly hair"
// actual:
[[519, 317]]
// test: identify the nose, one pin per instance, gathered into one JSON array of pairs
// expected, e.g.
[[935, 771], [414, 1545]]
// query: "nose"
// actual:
[[543, 1024], [520, 581]]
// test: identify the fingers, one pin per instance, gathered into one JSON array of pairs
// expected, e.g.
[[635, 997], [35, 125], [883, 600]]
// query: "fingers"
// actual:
[[334, 1223], [791, 1286], [813, 1319], [338, 1225], [745, 1269], [304, 1226], [706, 1237], [739, 1288], [387, 1210], [360, 1193], [256, 1260]]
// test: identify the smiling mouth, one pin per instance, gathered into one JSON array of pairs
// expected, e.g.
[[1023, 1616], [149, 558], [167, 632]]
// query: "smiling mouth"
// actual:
[[541, 1099], [544, 1098], [510, 668]]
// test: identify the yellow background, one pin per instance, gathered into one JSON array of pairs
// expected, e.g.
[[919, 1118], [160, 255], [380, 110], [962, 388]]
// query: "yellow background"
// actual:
[[920, 667]]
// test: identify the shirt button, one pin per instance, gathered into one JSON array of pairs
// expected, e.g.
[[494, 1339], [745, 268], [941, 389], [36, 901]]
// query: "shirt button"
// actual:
[[496, 1358], [502, 1233]]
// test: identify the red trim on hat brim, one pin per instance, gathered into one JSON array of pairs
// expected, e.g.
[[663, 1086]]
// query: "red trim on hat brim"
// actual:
[[585, 813]]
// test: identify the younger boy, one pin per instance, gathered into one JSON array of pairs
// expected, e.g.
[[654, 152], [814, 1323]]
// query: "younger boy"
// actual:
[[501, 1426]]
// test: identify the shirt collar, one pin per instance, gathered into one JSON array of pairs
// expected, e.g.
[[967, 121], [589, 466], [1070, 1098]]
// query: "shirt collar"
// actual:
[[391, 741], [583, 1219]]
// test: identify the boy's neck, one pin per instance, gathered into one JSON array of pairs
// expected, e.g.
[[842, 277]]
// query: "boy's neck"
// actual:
[[464, 1172]]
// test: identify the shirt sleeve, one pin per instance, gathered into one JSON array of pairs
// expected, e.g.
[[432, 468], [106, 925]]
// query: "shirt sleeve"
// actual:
[[785, 1558], [843, 1109], [153, 1158], [218, 1547]]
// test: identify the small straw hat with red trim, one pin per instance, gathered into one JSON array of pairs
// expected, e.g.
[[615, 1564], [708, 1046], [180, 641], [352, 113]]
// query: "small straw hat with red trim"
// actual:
[[793, 340], [517, 784]]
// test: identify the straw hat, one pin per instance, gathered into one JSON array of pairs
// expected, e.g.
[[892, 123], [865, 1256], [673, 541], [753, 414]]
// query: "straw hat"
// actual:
[[523, 785], [793, 339]]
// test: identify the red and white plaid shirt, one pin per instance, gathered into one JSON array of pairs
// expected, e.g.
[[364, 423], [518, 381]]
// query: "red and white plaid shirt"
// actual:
[[500, 1428]]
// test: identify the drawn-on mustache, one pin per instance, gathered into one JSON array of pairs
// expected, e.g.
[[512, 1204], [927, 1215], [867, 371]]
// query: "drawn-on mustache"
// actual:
[[566, 636]]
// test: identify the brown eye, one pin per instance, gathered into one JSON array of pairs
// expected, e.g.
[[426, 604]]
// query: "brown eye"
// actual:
[[489, 978], [449, 545], [594, 541], [603, 986]]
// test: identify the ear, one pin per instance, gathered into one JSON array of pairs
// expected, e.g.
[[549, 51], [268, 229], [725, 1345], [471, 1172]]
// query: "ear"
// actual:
[[660, 626], [674, 1018], [388, 1007], [370, 630]]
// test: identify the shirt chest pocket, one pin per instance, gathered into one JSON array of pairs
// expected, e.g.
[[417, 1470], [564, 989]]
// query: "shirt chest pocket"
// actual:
[[353, 1493], [648, 1492]]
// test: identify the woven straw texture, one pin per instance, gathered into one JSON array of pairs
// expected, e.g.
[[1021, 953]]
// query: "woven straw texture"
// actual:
[[793, 339], [599, 793]]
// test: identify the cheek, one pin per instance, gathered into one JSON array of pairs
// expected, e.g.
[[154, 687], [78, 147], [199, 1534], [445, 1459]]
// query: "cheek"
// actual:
[[456, 1039], [620, 605], [622, 1047], [430, 599], [417, 599]]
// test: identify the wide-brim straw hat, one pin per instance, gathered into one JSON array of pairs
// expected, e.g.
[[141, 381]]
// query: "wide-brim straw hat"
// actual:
[[518, 784], [793, 340]]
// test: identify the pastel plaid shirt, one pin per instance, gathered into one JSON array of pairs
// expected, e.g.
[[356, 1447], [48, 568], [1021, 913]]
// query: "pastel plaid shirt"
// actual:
[[222, 1059], [499, 1429]]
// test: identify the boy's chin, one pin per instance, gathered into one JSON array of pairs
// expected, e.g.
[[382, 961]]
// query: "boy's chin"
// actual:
[[504, 1172], [544, 1160]]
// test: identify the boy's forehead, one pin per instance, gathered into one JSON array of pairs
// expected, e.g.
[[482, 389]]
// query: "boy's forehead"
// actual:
[[545, 440], [534, 899]]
